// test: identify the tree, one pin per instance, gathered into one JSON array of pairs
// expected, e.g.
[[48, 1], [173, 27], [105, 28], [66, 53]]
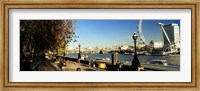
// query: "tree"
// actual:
[[43, 35], [152, 44]]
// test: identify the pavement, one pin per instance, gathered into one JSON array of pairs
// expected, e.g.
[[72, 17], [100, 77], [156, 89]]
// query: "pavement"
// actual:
[[72, 66], [47, 65]]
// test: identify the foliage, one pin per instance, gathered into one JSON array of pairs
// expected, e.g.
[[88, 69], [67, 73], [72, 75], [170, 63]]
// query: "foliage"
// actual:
[[42, 35], [151, 45]]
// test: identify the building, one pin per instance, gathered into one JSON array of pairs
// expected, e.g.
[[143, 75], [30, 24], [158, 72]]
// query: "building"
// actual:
[[124, 47], [158, 44], [172, 31], [141, 44]]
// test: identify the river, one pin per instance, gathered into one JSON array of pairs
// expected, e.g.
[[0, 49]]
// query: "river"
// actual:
[[127, 58]]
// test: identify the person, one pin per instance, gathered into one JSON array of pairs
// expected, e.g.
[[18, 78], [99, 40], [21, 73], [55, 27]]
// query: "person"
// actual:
[[120, 65], [46, 56], [89, 65], [93, 63], [54, 58], [79, 60], [26, 61], [22, 60]]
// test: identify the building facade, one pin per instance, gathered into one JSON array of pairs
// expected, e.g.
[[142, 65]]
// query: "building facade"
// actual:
[[172, 31]]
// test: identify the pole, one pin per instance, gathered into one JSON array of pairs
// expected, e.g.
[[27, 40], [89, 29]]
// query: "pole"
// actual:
[[135, 54], [79, 54], [135, 62]]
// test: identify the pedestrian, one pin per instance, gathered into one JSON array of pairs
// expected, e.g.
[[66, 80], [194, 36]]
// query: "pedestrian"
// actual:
[[89, 63], [93, 63], [46, 55], [22, 60], [26, 61], [79, 60]]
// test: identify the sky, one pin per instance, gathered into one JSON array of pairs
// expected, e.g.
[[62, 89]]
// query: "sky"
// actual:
[[109, 33]]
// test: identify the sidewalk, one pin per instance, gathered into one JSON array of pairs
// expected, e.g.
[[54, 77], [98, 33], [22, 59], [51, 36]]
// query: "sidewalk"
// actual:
[[72, 66], [48, 66]]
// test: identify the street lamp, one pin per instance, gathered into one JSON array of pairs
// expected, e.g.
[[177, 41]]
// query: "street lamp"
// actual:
[[135, 62], [79, 54]]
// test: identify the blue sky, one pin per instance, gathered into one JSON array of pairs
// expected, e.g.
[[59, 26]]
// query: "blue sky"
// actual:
[[109, 33]]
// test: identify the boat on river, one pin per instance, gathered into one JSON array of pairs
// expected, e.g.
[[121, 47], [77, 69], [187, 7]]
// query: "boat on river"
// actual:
[[156, 61]]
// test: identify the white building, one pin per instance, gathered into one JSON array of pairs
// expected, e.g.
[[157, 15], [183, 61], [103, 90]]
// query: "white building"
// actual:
[[172, 31], [158, 44], [125, 47]]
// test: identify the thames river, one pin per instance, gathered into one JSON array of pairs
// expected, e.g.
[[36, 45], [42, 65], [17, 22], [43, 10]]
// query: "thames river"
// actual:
[[127, 58]]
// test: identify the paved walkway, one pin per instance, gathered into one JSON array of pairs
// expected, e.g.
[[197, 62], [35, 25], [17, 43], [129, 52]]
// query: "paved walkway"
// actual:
[[48, 66], [72, 66]]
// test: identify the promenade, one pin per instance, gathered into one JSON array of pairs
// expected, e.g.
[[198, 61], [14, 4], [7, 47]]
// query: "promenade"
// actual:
[[71, 64]]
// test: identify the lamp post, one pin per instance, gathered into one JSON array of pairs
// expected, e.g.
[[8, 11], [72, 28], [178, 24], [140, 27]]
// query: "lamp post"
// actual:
[[135, 62], [79, 54]]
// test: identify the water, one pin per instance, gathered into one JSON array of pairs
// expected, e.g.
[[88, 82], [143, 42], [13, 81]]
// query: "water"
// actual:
[[173, 60]]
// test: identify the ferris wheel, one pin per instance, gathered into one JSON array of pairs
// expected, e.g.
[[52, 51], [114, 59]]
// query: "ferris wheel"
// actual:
[[141, 36]]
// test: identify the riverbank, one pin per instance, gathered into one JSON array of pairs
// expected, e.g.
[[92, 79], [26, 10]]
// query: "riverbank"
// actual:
[[72, 65], [127, 58]]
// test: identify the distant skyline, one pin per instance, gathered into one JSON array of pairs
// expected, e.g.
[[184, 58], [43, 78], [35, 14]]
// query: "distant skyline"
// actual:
[[109, 33]]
